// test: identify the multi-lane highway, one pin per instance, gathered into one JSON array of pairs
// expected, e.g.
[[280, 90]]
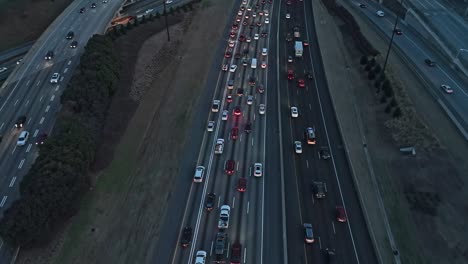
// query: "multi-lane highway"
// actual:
[[415, 50], [28, 92], [267, 219]]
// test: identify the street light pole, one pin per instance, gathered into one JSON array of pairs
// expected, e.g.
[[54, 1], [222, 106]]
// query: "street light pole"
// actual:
[[391, 42], [165, 19]]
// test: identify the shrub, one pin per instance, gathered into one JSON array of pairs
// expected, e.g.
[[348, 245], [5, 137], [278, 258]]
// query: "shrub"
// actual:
[[371, 75], [382, 76], [397, 113], [363, 60], [377, 84], [393, 102], [367, 68], [377, 69], [388, 91], [371, 62]]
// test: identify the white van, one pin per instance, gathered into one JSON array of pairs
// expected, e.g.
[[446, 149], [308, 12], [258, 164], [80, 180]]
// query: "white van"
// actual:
[[254, 63]]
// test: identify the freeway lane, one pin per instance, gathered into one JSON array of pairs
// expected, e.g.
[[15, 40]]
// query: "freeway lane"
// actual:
[[350, 240], [28, 91], [416, 51]]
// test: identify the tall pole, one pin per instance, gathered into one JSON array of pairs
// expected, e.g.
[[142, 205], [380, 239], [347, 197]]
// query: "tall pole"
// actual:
[[165, 18], [391, 42]]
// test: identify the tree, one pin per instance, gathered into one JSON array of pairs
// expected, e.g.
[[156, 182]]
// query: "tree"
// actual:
[[377, 69], [388, 109], [171, 11], [397, 113], [129, 25], [371, 75], [393, 102], [388, 91], [383, 99], [371, 62], [377, 84], [368, 67], [137, 22], [363, 60], [158, 16], [151, 17], [382, 76], [143, 20]]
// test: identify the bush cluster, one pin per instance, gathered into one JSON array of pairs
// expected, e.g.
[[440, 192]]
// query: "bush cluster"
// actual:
[[52, 189]]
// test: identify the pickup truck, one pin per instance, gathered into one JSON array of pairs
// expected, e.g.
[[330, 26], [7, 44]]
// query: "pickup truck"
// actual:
[[223, 222], [219, 146]]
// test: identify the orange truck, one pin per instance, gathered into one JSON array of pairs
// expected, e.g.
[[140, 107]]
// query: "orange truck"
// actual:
[[122, 20]]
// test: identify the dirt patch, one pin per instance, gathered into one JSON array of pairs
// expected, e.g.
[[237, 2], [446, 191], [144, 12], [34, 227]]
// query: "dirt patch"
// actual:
[[120, 219], [425, 196], [25, 20]]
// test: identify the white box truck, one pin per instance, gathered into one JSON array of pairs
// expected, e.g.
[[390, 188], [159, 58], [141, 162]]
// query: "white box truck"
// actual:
[[298, 48], [254, 63]]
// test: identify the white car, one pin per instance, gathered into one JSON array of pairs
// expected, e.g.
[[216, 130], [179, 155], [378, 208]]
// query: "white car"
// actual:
[[258, 170], [290, 59], [225, 67], [294, 112], [267, 20], [104, 1], [3, 69], [264, 51], [380, 13], [233, 68], [446, 88], [248, 39], [265, 12], [249, 8], [19, 61], [148, 11], [23, 138], [210, 126], [288, 16], [263, 65], [215, 106], [232, 43], [225, 115], [250, 99], [169, 1], [55, 78], [254, 14], [200, 257], [199, 173], [256, 36], [261, 109], [239, 13], [298, 147]]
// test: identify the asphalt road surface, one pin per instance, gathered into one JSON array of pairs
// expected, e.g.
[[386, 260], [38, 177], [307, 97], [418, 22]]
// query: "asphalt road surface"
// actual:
[[267, 218], [416, 51], [29, 92]]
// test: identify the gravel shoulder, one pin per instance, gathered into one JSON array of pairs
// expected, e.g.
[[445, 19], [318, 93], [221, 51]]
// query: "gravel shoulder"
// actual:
[[424, 196], [120, 219]]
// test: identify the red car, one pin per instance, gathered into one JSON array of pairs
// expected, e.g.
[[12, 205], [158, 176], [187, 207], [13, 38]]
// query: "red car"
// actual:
[[237, 111], [242, 184], [236, 253], [234, 133], [241, 38], [301, 83], [229, 167], [229, 98], [290, 75], [341, 214], [228, 53], [305, 43], [235, 26], [232, 34]]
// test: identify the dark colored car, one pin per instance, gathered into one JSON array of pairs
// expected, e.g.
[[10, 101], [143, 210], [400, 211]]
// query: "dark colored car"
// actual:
[[324, 154], [210, 201], [234, 133], [70, 35], [330, 255], [362, 5], [309, 75], [288, 37], [235, 26], [241, 38], [93, 5], [229, 167], [20, 121], [260, 88], [236, 253], [242, 184], [240, 91], [290, 75], [232, 34], [237, 55], [82, 10], [237, 111], [429, 62], [398, 31], [264, 34], [341, 214], [41, 138], [228, 53], [74, 44], [251, 26], [252, 80], [49, 55], [186, 237], [248, 128]]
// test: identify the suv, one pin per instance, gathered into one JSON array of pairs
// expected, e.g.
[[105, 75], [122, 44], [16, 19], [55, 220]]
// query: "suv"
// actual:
[[309, 233], [186, 237], [310, 136], [229, 167], [319, 189], [70, 35], [200, 257], [199, 173], [20, 121], [49, 55]]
